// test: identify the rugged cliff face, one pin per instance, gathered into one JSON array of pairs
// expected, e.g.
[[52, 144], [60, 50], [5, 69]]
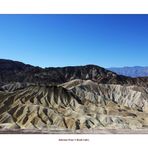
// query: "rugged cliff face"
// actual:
[[83, 97]]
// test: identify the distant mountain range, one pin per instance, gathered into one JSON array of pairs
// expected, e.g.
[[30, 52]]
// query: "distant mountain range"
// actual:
[[136, 71], [14, 71]]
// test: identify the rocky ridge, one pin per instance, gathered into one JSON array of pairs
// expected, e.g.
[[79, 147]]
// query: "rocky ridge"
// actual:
[[70, 98]]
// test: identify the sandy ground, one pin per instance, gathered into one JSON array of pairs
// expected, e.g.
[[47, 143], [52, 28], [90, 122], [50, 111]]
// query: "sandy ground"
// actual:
[[99, 131]]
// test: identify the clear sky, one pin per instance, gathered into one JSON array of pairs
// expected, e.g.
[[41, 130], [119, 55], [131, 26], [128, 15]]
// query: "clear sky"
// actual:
[[62, 40]]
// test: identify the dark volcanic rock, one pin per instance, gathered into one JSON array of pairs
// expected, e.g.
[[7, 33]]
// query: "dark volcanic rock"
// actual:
[[12, 71]]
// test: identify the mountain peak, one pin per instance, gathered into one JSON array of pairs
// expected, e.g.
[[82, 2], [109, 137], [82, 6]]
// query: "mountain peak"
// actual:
[[136, 71], [14, 71]]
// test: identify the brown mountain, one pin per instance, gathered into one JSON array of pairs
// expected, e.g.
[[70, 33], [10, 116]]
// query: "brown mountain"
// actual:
[[13, 71]]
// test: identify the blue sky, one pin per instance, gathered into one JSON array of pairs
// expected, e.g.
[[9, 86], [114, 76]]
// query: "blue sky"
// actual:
[[62, 40]]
